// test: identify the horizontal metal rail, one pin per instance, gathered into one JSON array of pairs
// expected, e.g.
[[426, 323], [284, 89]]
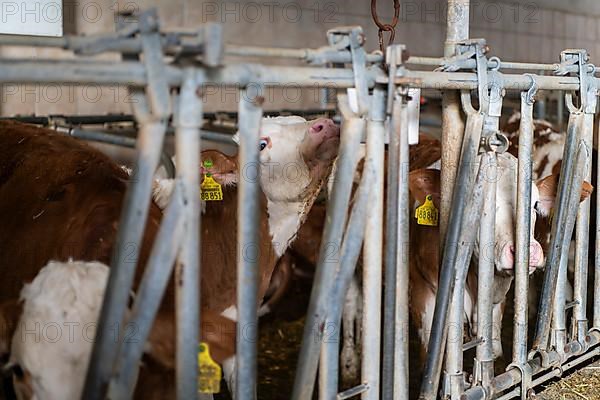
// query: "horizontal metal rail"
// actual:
[[439, 61], [319, 56], [240, 75]]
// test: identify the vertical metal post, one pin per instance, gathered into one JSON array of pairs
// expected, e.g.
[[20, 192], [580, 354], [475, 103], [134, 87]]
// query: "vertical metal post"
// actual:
[[561, 237], [350, 251], [187, 270], [523, 231], [559, 319], [248, 253], [373, 257], [352, 132], [129, 235], [149, 296], [560, 109], [439, 328], [152, 110], [582, 244], [470, 222], [401, 322], [394, 101], [484, 361], [596, 321], [452, 124]]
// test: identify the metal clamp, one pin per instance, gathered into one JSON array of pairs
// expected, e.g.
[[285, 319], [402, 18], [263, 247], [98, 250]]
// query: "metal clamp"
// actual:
[[544, 356], [354, 39], [526, 374], [158, 92], [466, 50], [587, 90], [497, 143]]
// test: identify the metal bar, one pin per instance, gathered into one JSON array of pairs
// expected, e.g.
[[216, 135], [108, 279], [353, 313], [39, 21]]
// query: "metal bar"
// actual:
[[562, 218], [475, 342], [130, 231], [401, 314], [523, 230], [484, 360], [318, 56], [468, 80], [149, 295], [432, 369], [457, 30], [559, 318], [439, 61], [470, 222], [582, 232], [373, 257], [250, 115], [391, 241], [187, 271], [352, 132], [133, 73], [14, 72], [350, 251], [96, 136], [355, 391], [596, 318]]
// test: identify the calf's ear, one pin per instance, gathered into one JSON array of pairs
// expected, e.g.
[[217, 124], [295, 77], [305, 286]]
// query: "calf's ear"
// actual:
[[548, 186], [422, 182]]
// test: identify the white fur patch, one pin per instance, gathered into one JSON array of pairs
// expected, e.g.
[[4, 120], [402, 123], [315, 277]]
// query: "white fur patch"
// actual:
[[427, 320], [230, 313], [162, 190], [54, 337], [284, 222]]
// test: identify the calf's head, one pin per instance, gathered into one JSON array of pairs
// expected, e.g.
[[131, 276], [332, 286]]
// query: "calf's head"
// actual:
[[543, 194], [295, 156], [52, 342]]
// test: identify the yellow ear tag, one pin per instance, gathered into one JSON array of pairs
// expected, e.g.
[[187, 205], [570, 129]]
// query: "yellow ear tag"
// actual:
[[427, 214], [210, 189], [209, 372]]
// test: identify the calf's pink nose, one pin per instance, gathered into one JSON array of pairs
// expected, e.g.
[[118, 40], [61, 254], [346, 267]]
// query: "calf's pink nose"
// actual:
[[325, 127], [536, 254]]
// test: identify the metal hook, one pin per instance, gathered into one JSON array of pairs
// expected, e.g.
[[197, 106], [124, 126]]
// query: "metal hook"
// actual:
[[532, 89]]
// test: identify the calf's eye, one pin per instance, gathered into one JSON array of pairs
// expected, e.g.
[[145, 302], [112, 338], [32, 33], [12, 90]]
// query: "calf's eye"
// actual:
[[263, 143]]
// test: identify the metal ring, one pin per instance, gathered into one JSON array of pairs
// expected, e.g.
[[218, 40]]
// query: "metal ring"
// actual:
[[497, 61]]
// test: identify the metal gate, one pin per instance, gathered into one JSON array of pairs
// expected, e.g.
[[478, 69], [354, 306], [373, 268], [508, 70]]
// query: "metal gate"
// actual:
[[376, 107]]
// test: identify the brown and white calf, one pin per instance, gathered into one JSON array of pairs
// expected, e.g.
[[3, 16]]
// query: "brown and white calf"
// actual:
[[61, 199], [424, 250]]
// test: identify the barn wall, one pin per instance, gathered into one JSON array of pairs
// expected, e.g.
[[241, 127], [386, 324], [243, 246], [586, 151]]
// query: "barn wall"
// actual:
[[518, 31]]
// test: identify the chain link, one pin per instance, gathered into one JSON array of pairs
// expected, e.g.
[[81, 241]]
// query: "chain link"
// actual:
[[391, 28]]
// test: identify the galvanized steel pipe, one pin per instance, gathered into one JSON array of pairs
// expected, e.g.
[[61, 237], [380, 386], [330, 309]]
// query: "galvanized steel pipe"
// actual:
[[373, 257], [523, 230], [188, 122], [432, 369], [352, 132], [248, 252]]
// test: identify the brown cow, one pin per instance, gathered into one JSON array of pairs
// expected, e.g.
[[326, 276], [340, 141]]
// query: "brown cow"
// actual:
[[65, 199]]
